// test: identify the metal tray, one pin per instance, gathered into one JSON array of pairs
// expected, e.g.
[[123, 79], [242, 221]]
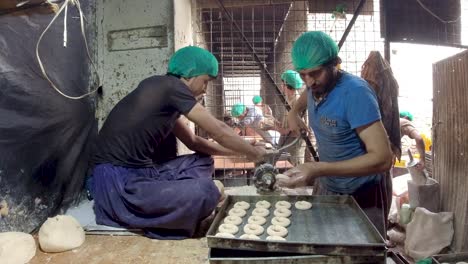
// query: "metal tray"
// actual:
[[452, 258], [230, 256], [335, 225]]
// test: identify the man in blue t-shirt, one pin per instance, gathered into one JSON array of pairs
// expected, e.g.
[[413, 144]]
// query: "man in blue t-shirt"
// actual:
[[352, 143]]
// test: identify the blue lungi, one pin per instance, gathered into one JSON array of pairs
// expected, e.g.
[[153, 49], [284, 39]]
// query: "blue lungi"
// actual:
[[167, 201]]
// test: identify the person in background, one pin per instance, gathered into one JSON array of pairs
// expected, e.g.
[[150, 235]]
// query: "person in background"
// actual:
[[167, 199], [251, 118], [258, 102], [291, 84], [407, 129], [344, 115]]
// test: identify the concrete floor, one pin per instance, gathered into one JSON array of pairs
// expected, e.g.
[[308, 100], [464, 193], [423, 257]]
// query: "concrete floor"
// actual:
[[100, 249]]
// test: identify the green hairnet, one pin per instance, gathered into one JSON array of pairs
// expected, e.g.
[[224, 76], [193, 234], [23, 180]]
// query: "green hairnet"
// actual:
[[292, 78], [313, 49], [406, 114], [257, 99], [237, 109], [193, 61]]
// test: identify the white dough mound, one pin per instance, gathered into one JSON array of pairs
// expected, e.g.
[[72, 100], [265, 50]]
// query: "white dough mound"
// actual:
[[16, 247], [61, 233]]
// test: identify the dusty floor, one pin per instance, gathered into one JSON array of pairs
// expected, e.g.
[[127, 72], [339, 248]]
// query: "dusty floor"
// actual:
[[129, 249]]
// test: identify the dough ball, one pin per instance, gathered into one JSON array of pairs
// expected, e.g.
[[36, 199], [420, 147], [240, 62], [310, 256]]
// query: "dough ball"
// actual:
[[260, 212], [16, 247], [281, 221], [255, 219], [253, 229], [242, 205], [276, 230], [237, 212], [282, 212], [249, 236], [263, 204], [225, 235], [303, 205], [233, 220], [275, 238], [228, 228], [283, 204], [61, 233]]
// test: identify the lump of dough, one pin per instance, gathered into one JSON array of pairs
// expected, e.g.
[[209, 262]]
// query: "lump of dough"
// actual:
[[61, 233], [16, 247]]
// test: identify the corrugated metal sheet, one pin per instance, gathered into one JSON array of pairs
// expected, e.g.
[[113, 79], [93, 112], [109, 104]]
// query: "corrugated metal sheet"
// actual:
[[450, 140]]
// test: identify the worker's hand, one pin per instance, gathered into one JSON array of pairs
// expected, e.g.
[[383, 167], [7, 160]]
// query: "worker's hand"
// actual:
[[299, 176], [295, 124], [258, 155]]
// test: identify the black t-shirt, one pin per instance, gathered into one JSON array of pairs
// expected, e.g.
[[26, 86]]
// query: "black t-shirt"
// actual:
[[141, 121]]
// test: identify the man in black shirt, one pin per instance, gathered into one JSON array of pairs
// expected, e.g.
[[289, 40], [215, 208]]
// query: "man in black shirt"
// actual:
[[132, 188]]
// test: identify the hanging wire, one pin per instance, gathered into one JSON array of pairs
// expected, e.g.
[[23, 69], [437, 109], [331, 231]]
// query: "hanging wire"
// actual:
[[43, 70], [436, 16]]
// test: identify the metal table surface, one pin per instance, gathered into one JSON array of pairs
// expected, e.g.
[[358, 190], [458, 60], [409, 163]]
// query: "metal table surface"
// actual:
[[335, 225]]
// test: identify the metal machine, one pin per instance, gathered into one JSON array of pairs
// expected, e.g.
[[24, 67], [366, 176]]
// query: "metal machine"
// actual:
[[265, 171]]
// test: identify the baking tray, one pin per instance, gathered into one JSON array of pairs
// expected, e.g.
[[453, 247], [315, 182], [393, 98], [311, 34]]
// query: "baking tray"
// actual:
[[230, 256], [335, 225], [451, 258]]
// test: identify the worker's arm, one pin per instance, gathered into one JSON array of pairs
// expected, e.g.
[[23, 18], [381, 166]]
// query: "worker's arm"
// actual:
[[196, 143], [223, 134], [377, 159], [414, 134], [295, 122]]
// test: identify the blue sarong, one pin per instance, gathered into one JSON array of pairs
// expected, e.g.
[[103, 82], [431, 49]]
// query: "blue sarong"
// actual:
[[167, 201]]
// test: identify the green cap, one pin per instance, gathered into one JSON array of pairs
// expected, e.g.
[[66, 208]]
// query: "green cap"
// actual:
[[406, 114], [257, 99], [193, 61], [292, 78], [313, 49], [237, 109]]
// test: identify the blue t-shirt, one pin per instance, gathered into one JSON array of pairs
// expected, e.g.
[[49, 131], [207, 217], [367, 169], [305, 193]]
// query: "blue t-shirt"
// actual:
[[351, 104]]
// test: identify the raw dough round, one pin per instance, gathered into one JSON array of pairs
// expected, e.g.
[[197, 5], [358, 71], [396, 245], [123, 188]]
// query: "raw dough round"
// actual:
[[255, 219], [228, 228], [277, 230], [253, 229], [260, 212], [232, 219], [250, 236], [303, 205], [16, 247], [225, 235], [283, 212], [280, 176], [263, 204], [237, 212], [242, 205], [283, 204], [281, 221], [277, 238], [61, 233]]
